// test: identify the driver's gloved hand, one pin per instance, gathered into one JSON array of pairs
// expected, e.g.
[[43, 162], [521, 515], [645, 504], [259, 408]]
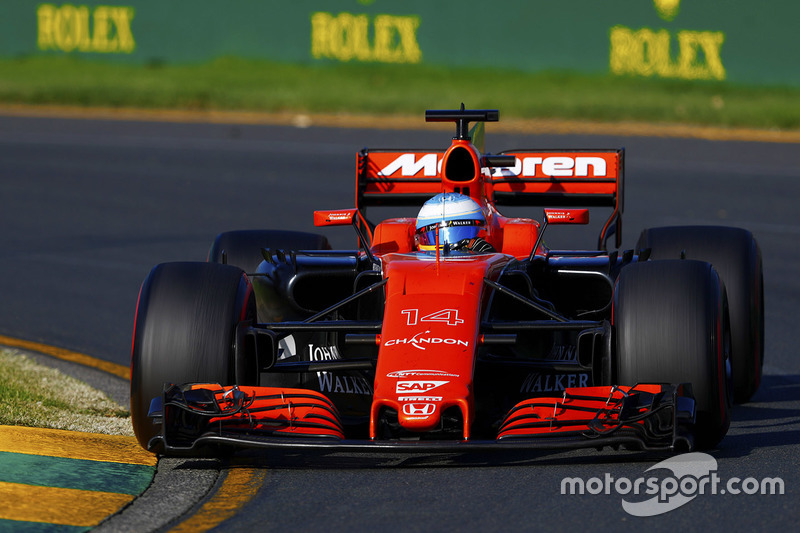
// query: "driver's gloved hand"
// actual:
[[474, 245]]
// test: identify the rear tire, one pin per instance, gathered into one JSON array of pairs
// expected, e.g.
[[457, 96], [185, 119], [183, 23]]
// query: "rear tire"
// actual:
[[671, 327], [184, 332], [242, 248], [737, 258]]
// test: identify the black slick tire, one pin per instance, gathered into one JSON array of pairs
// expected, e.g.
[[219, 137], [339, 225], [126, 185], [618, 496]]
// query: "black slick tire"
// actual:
[[184, 332], [670, 325], [736, 256]]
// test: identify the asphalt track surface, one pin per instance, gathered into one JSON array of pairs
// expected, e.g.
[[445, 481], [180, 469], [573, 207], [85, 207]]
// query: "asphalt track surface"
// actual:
[[88, 207]]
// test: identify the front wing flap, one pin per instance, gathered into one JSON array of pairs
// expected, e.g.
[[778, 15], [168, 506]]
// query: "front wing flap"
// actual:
[[192, 411], [655, 415], [646, 417]]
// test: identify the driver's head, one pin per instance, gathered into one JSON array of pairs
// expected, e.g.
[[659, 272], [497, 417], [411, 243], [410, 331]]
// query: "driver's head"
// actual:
[[454, 216]]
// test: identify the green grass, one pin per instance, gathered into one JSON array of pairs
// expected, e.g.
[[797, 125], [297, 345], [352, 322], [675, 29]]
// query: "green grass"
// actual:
[[37, 396], [238, 84]]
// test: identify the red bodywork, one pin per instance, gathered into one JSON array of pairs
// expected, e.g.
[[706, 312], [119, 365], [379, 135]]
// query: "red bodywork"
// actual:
[[429, 337]]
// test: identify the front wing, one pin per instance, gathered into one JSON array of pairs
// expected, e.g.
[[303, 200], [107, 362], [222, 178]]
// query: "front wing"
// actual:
[[198, 416]]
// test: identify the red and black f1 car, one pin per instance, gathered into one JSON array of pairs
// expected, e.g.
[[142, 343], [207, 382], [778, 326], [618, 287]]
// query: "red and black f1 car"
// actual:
[[455, 330]]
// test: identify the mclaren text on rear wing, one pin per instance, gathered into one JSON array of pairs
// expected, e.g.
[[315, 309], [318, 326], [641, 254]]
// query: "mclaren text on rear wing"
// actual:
[[568, 178], [541, 178]]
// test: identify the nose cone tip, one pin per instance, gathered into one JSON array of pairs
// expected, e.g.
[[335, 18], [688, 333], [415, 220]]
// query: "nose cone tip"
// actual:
[[420, 416]]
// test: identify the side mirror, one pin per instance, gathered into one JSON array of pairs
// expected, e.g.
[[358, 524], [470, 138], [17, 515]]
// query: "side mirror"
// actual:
[[339, 217], [344, 217], [559, 216], [566, 216]]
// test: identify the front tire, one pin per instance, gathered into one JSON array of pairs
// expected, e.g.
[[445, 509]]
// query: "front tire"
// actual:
[[184, 332], [736, 256], [671, 327]]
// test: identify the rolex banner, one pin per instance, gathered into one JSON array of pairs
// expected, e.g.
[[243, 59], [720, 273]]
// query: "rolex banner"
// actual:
[[736, 41]]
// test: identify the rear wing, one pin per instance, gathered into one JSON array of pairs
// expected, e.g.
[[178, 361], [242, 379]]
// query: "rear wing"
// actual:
[[394, 177], [561, 178], [565, 178], [543, 178]]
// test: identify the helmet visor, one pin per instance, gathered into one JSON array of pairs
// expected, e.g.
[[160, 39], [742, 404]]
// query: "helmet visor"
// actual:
[[450, 232]]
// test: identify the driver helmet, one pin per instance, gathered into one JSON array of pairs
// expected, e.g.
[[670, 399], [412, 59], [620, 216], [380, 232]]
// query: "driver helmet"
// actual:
[[456, 217]]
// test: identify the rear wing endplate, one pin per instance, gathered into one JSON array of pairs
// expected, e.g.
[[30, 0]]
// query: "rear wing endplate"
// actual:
[[565, 178]]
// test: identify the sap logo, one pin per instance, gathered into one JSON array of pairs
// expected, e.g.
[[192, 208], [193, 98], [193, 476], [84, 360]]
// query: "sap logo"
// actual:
[[419, 409], [555, 166], [536, 382], [417, 387]]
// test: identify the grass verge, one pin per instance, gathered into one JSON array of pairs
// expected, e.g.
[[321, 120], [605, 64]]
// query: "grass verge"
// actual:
[[250, 85], [38, 396]]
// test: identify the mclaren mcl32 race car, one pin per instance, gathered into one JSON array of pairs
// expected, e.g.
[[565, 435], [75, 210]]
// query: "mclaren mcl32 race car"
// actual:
[[457, 329]]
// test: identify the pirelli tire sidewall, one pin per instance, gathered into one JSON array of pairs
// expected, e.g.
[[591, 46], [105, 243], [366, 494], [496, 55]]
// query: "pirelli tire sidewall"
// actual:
[[671, 326], [736, 256], [184, 332]]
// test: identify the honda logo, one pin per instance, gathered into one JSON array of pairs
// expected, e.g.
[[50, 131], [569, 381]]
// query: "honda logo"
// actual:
[[419, 409]]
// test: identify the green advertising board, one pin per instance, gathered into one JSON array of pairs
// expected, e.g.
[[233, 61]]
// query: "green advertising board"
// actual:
[[736, 41]]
